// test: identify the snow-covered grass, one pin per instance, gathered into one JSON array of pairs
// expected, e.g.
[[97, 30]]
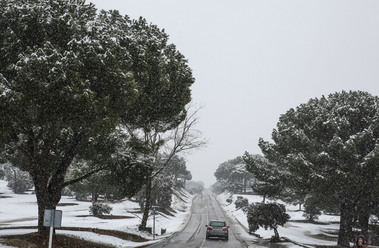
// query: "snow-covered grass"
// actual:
[[296, 230], [103, 239], [20, 210]]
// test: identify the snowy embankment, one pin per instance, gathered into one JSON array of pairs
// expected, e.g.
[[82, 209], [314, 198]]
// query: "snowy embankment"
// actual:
[[20, 210], [297, 229]]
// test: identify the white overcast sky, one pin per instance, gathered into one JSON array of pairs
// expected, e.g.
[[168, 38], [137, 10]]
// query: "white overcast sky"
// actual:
[[255, 59]]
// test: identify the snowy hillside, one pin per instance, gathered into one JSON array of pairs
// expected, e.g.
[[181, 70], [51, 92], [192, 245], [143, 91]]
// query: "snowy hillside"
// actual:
[[21, 211]]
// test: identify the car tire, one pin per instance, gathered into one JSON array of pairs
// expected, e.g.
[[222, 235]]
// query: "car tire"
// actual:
[[227, 238]]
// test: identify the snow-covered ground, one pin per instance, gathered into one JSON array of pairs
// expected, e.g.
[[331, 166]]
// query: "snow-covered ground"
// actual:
[[304, 234], [20, 210]]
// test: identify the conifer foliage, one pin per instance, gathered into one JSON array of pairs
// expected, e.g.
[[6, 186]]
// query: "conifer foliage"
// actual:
[[233, 176], [69, 76], [329, 147]]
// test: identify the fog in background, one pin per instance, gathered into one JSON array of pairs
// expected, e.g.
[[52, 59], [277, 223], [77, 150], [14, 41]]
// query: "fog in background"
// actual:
[[255, 59]]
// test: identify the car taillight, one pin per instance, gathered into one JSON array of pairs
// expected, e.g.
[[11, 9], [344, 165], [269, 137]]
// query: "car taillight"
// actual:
[[210, 229], [225, 229]]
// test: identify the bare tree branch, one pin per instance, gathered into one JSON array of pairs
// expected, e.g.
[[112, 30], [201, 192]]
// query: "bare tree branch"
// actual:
[[183, 138]]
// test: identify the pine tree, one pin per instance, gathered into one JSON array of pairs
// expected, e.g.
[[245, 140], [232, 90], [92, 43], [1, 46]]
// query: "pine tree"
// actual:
[[233, 176], [69, 76], [330, 146], [268, 178]]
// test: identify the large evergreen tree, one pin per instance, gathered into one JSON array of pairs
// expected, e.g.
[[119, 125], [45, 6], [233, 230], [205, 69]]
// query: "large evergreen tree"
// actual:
[[233, 175], [268, 178], [69, 75], [331, 146]]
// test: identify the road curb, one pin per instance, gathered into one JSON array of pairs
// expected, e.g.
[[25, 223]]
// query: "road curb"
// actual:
[[231, 216], [168, 237]]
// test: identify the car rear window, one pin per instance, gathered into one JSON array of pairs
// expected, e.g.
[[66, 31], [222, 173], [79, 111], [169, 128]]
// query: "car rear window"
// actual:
[[217, 223]]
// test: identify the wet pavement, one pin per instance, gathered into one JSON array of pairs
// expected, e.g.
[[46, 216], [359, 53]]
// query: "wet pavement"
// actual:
[[204, 208]]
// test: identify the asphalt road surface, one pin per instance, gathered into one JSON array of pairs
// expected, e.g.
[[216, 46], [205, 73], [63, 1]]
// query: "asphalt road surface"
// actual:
[[204, 208]]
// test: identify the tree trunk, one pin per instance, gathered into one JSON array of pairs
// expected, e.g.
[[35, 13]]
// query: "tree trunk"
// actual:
[[299, 206], [147, 204], [364, 203], [244, 184], [40, 183], [41, 208], [94, 196], [363, 223], [345, 232], [47, 198], [276, 237], [364, 212]]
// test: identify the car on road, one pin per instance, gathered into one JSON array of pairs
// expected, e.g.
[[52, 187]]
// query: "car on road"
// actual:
[[218, 229]]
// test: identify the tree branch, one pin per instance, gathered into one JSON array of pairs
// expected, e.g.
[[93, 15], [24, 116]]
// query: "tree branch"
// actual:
[[65, 184], [58, 176], [183, 139]]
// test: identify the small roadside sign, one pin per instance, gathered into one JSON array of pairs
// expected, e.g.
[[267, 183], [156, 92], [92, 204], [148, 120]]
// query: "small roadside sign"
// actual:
[[50, 215], [52, 218]]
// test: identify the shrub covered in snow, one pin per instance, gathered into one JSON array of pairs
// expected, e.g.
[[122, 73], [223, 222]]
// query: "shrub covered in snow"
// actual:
[[267, 215], [19, 181], [99, 209], [242, 203]]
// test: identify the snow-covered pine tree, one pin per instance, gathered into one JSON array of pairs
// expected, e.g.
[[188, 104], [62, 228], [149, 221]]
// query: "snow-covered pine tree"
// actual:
[[233, 176], [123, 169], [331, 145], [268, 179], [65, 81], [69, 76]]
